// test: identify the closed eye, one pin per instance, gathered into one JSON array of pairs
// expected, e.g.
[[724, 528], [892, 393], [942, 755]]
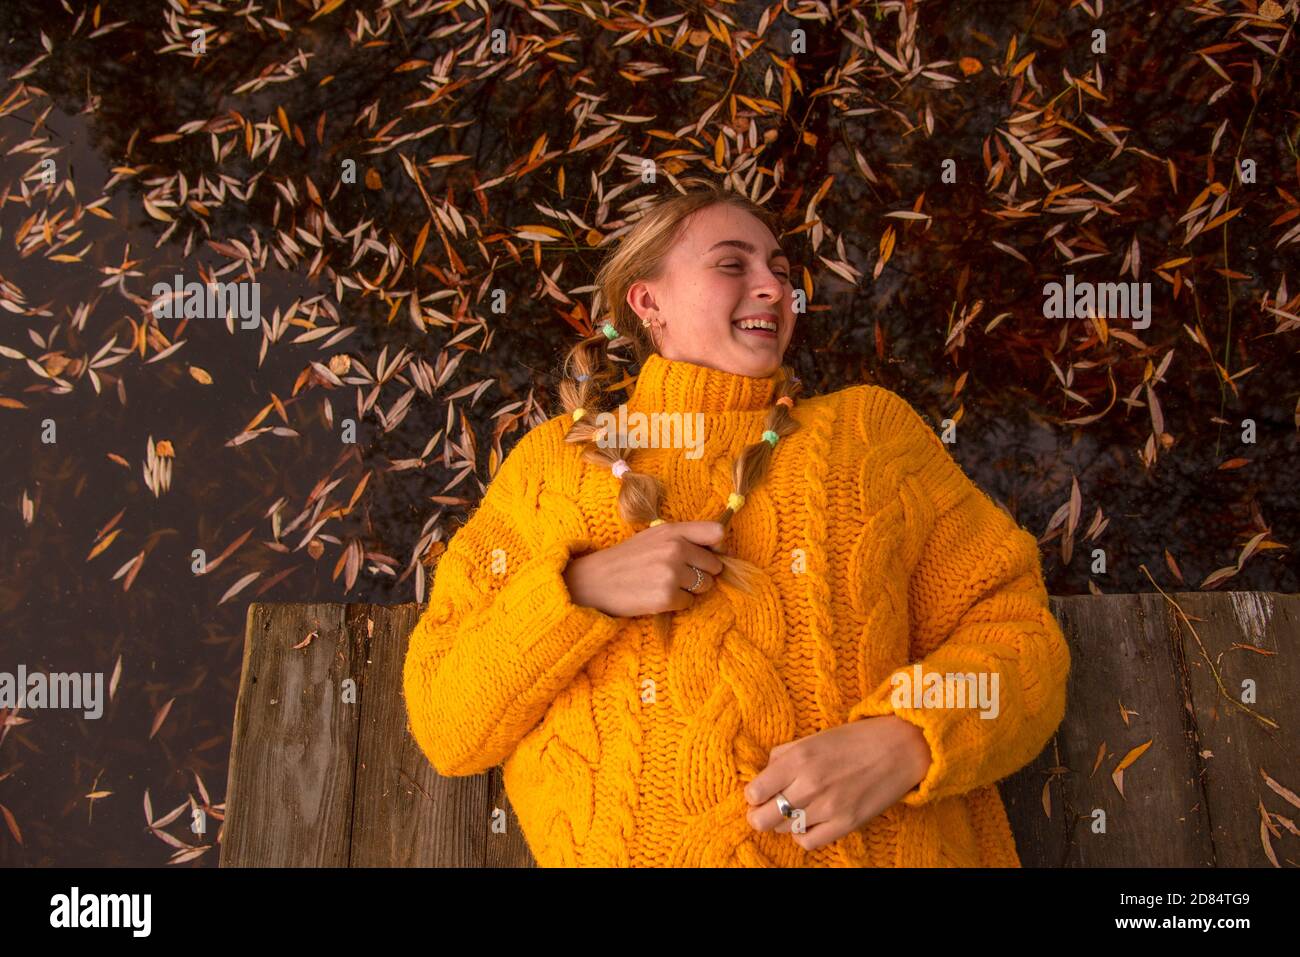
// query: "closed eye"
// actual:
[[735, 265]]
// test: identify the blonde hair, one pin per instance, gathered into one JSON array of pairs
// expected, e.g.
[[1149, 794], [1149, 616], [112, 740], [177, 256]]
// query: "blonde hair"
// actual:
[[642, 254]]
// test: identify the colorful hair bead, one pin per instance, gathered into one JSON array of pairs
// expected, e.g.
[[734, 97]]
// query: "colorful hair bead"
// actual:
[[583, 378], [770, 437], [786, 401], [578, 414], [734, 501], [620, 468], [609, 330], [657, 521]]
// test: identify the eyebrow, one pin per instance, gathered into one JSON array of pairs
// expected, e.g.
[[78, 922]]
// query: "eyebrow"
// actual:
[[748, 247]]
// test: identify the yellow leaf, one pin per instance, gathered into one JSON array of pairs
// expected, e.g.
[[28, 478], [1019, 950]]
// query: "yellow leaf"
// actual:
[[104, 544], [328, 8]]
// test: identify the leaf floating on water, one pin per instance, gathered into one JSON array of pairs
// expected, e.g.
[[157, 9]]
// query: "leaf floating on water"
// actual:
[[239, 586], [160, 717], [188, 855], [103, 544], [12, 822]]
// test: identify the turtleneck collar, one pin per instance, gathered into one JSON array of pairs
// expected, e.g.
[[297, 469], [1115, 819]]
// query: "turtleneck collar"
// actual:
[[675, 385]]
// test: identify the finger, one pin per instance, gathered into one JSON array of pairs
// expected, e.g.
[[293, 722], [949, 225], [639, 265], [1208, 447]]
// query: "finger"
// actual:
[[703, 559], [771, 779], [686, 578], [766, 816], [701, 533], [823, 833]]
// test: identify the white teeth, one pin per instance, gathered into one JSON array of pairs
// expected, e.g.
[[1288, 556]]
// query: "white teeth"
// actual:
[[757, 324]]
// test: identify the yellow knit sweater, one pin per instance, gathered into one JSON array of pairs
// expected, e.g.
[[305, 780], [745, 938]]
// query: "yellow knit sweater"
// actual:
[[878, 552]]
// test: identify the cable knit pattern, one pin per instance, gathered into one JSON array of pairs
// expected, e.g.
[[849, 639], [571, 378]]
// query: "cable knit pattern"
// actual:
[[877, 552]]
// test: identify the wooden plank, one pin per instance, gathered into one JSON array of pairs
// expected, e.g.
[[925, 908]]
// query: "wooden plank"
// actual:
[[289, 793], [1125, 652], [1235, 746], [315, 781], [1042, 840], [406, 814]]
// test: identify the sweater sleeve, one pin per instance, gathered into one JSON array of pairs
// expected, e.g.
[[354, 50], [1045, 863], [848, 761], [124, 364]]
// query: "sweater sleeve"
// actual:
[[500, 636], [978, 609]]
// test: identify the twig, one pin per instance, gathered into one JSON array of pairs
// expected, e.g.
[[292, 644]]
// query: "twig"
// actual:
[[1213, 670]]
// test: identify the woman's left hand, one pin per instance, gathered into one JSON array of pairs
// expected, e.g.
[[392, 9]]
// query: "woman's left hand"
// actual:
[[840, 778]]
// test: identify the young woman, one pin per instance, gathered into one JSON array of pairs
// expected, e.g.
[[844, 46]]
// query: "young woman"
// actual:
[[808, 640]]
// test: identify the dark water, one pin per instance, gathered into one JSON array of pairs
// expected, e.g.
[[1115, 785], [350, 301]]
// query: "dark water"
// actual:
[[100, 103]]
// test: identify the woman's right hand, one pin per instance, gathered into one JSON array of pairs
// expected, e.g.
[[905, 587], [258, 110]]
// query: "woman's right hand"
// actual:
[[649, 572]]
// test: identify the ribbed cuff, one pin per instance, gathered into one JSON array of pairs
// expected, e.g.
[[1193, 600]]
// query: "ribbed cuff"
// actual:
[[947, 749]]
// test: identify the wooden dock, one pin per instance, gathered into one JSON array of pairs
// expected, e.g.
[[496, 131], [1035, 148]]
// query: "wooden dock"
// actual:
[[317, 780]]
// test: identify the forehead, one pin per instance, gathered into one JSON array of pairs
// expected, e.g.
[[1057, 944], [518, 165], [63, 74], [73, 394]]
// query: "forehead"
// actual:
[[722, 228]]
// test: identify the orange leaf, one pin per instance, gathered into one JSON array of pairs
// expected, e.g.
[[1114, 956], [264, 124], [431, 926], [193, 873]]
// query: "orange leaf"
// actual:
[[104, 544], [419, 243], [13, 824], [1133, 756]]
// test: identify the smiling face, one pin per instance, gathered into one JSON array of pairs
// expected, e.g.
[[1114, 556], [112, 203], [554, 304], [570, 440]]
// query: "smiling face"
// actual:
[[725, 267]]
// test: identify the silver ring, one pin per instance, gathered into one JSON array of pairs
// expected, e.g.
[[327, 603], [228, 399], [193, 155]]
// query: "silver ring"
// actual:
[[699, 577], [783, 806]]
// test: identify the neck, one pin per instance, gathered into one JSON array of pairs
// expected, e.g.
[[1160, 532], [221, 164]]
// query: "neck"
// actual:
[[675, 385]]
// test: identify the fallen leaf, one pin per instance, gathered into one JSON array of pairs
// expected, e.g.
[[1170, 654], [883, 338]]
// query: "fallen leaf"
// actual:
[[1118, 774], [1288, 795], [1268, 845], [13, 824], [160, 717]]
